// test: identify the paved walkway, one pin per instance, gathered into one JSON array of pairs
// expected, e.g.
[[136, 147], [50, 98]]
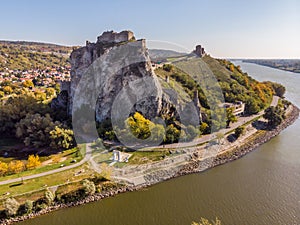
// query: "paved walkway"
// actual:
[[84, 160]]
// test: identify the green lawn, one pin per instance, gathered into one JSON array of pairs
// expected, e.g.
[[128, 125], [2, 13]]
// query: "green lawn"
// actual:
[[41, 183], [141, 157], [68, 156]]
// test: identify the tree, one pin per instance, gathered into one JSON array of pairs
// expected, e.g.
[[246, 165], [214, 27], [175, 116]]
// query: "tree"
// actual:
[[7, 90], [33, 162], [252, 106], [230, 117], [274, 115], [172, 134], [191, 132], [167, 67], [49, 197], [139, 126], [11, 206], [204, 128], [279, 89], [16, 166], [204, 221], [28, 83], [219, 137], [61, 138], [89, 187], [34, 129], [50, 92], [157, 132], [28, 206], [3, 168], [239, 131]]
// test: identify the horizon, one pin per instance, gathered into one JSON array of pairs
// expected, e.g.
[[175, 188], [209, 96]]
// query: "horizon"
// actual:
[[256, 30], [228, 58]]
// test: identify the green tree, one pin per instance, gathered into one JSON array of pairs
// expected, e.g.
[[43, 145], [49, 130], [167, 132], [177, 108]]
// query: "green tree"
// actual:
[[252, 106], [61, 138], [230, 117], [191, 132], [34, 129], [167, 67], [274, 115], [157, 132], [279, 89], [239, 131], [172, 134]]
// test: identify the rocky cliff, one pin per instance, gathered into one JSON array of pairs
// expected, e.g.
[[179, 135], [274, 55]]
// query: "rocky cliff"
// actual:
[[115, 67]]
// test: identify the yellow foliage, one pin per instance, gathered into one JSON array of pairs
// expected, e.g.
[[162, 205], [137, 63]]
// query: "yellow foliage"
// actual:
[[204, 221], [16, 166], [139, 126], [3, 168], [33, 162]]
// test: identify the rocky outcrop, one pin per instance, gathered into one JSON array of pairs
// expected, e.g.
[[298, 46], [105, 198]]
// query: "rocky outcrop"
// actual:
[[116, 66]]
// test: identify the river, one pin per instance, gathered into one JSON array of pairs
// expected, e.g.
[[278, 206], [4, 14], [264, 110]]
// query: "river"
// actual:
[[262, 188]]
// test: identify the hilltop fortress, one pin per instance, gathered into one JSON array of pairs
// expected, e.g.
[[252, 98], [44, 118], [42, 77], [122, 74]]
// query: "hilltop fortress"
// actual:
[[124, 47]]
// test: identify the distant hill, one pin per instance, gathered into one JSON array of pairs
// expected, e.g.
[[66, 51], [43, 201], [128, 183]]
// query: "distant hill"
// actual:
[[161, 54], [292, 65], [23, 55]]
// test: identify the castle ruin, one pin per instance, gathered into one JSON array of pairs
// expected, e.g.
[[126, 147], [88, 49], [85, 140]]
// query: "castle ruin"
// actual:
[[199, 51]]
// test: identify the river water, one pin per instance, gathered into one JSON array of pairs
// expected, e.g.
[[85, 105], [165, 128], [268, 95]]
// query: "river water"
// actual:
[[262, 188]]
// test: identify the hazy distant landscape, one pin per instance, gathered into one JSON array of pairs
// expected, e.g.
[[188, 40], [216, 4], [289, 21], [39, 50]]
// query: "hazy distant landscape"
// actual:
[[292, 65]]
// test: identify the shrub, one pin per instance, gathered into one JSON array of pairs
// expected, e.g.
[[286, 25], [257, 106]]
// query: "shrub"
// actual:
[[89, 187], [239, 131], [28, 206], [49, 197], [11, 206]]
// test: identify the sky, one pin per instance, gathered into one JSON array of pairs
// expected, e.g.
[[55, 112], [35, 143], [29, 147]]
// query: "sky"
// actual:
[[226, 28]]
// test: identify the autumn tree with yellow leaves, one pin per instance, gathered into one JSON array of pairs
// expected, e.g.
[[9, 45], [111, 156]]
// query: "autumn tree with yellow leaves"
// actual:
[[33, 162]]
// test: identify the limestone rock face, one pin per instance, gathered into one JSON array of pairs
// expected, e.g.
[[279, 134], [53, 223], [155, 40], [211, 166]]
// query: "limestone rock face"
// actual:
[[115, 67]]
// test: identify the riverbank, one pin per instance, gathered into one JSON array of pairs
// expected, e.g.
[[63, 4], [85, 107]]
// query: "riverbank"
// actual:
[[191, 167]]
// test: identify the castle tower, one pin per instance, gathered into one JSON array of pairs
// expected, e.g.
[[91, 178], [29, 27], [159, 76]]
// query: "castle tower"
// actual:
[[199, 51]]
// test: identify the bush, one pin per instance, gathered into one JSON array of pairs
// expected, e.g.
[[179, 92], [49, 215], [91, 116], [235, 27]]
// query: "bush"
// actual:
[[167, 67], [49, 197], [28, 206], [239, 131], [11, 206], [89, 187]]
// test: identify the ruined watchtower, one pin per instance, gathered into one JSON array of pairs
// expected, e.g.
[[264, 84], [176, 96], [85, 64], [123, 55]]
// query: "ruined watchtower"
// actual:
[[199, 51]]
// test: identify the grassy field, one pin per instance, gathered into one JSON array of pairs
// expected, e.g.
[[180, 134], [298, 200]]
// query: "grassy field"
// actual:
[[23, 191], [51, 162], [141, 157]]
